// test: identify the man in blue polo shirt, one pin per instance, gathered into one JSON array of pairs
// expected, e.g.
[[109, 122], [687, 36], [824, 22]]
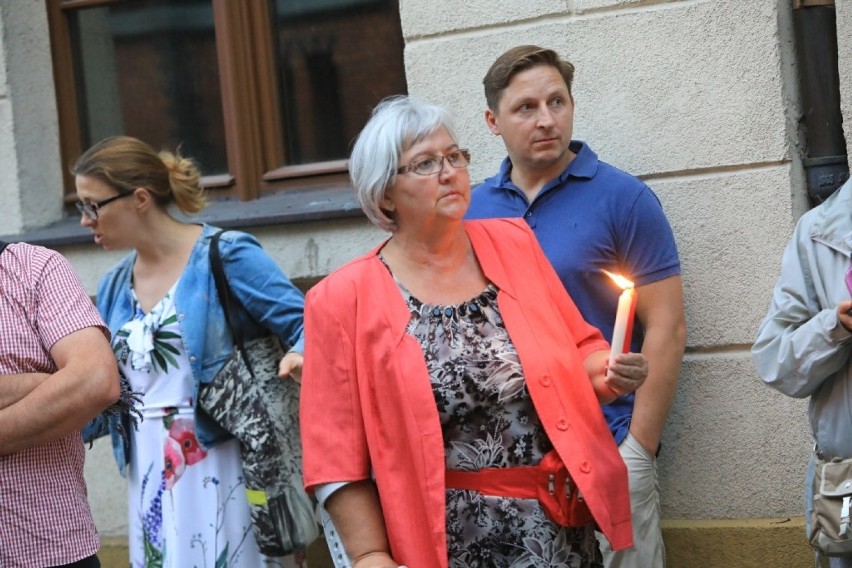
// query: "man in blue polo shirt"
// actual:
[[589, 217]]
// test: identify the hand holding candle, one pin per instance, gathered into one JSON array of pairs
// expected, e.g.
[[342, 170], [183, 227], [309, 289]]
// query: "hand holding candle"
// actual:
[[626, 375]]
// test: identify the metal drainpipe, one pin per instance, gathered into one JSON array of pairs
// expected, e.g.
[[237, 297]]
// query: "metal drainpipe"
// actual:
[[825, 162]]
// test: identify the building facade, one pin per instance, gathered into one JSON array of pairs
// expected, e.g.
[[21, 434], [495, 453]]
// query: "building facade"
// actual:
[[699, 98]]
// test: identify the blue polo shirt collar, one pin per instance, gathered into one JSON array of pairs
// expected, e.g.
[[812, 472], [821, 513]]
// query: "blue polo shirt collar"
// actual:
[[584, 165]]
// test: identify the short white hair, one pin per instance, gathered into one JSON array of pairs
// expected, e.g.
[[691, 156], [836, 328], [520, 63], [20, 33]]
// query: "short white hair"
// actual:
[[397, 123]]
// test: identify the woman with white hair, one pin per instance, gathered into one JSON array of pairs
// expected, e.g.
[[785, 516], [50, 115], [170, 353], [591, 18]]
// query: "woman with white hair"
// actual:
[[451, 390]]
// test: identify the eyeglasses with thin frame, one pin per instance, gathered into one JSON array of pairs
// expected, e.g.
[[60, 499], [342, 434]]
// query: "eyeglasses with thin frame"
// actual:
[[90, 210], [429, 165]]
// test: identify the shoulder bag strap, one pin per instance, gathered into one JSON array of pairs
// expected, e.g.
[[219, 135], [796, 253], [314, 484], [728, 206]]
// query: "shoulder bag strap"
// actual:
[[3, 246], [226, 297]]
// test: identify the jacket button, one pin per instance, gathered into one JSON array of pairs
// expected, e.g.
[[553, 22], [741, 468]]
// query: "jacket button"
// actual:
[[585, 467], [562, 424], [545, 381], [192, 358]]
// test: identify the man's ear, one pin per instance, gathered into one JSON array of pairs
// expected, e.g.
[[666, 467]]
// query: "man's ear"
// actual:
[[491, 121]]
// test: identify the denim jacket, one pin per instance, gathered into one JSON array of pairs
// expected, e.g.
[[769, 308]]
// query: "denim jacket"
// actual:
[[267, 294], [801, 349]]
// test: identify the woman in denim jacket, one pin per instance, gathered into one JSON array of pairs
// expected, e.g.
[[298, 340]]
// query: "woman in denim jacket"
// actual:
[[804, 344], [187, 497]]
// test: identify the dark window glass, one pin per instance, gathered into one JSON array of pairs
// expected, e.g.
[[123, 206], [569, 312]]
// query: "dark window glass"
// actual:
[[149, 69], [266, 94], [335, 60]]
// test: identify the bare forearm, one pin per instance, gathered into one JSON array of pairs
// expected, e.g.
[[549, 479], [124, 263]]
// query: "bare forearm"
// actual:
[[654, 399], [660, 309], [15, 387], [86, 383], [55, 408], [357, 514]]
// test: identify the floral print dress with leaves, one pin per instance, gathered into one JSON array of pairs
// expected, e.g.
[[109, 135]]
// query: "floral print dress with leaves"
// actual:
[[187, 505], [488, 421]]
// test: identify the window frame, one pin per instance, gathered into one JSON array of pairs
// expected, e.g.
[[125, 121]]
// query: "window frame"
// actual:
[[249, 93]]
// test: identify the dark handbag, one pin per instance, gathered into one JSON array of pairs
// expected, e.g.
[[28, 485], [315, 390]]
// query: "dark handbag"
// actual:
[[250, 401]]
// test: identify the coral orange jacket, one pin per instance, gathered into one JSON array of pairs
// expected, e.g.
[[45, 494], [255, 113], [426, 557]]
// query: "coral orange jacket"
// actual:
[[367, 406]]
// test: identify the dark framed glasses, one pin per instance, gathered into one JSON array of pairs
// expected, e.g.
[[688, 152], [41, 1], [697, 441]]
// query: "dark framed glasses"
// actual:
[[90, 210]]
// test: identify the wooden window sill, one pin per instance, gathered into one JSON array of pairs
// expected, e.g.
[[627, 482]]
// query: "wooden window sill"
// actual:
[[291, 206]]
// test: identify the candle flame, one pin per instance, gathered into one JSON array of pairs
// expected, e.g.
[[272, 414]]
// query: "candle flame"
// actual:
[[620, 280]]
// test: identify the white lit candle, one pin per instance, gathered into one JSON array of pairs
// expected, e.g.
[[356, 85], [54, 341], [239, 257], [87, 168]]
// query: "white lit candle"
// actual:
[[623, 330]]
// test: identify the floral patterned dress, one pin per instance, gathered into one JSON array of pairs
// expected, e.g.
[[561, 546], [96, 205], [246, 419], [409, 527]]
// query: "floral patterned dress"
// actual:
[[187, 505], [489, 421]]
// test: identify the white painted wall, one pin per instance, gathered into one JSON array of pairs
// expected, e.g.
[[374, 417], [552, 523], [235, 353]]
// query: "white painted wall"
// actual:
[[696, 96]]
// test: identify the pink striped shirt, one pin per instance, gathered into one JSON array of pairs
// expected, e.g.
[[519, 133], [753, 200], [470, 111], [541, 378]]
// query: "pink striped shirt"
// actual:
[[44, 514]]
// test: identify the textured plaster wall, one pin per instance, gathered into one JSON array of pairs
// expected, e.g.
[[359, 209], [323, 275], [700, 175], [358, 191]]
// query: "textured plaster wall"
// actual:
[[724, 416], [729, 255], [694, 97], [29, 156], [843, 9], [10, 220], [673, 87]]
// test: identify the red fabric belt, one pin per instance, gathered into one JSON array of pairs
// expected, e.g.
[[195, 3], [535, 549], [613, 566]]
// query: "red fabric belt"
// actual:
[[549, 482]]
